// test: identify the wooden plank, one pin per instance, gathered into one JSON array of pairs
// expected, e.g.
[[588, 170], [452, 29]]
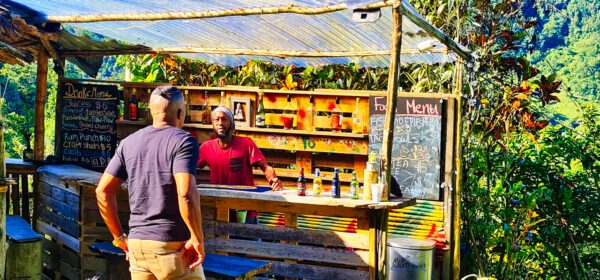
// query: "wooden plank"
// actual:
[[292, 208], [305, 271], [14, 198], [323, 144], [61, 222], [69, 211], [24, 260], [25, 212], [296, 252], [59, 236], [304, 160], [59, 194], [230, 267], [291, 221], [89, 216], [69, 272], [60, 252], [317, 237], [93, 263]]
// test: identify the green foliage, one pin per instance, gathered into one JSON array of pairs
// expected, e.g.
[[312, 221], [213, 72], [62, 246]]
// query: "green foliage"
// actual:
[[18, 85]]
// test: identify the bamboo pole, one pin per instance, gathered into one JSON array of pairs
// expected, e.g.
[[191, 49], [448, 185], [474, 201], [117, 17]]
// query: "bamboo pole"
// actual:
[[3, 205], [58, 118], [40, 102], [458, 181], [226, 51], [209, 14], [390, 116]]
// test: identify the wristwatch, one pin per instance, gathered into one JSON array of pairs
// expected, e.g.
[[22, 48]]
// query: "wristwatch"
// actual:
[[119, 241]]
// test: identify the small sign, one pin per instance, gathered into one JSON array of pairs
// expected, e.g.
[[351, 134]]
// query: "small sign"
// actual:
[[88, 136]]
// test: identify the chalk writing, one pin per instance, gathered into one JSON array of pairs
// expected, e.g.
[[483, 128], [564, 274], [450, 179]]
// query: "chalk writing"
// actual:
[[88, 124], [416, 147]]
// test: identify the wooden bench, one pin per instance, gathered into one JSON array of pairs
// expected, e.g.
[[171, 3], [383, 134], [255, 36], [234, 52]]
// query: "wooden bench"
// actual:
[[215, 266], [24, 254]]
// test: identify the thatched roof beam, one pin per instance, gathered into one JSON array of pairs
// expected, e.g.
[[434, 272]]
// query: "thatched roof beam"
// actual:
[[18, 54], [276, 53], [209, 14]]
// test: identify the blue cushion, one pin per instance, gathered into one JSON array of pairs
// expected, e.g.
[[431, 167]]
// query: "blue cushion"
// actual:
[[106, 248], [230, 266], [18, 230]]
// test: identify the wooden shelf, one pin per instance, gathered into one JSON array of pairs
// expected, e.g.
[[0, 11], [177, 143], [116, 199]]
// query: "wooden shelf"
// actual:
[[264, 130]]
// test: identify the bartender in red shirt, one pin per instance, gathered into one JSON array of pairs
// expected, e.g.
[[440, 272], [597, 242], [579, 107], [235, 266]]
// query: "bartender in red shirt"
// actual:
[[231, 158]]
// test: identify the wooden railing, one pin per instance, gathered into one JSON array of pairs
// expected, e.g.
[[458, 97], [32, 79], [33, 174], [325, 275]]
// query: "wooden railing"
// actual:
[[20, 196]]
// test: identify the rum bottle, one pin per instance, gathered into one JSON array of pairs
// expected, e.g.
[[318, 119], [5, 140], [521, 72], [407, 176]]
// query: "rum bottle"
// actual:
[[336, 190], [206, 113], [354, 186], [222, 102], [301, 183], [288, 114], [317, 183], [309, 120], [357, 126], [133, 107], [336, 117]]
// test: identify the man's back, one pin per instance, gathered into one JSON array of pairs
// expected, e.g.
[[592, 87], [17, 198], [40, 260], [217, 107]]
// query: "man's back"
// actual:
[[148, 159]]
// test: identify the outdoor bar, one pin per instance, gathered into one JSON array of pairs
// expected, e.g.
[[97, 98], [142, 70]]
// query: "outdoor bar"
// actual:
[[412, 137]]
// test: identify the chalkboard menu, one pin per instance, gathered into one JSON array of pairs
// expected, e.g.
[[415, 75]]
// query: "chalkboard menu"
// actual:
[[416, 146], [88, 135]]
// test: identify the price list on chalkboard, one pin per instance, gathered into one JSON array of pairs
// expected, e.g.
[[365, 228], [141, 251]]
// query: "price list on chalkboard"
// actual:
[[88, 124], [416, 146]]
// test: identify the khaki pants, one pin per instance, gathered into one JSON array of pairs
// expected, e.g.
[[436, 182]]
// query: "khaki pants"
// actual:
[[151, 260]]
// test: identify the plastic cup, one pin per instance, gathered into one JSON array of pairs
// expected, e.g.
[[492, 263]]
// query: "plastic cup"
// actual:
[[376, 190], [241, 216]]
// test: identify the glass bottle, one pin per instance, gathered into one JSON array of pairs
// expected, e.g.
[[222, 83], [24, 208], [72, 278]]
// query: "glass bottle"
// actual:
[[354, 186], [335, 185], [288, 114], [260, 118], [317, 183], [222, 102], [206, 113], [301, 183], [133, 107], [309, 120], [336, 117], [188, 111], [356, 121]]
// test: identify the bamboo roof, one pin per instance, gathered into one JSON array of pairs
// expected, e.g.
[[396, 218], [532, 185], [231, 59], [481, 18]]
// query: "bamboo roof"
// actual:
[[304, 32]]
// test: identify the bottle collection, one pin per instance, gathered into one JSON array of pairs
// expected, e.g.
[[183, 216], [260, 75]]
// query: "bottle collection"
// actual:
[[336, 190], [290, 118]]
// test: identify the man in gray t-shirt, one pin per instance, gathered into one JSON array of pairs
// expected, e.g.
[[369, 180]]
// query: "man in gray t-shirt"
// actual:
[[159, 164]]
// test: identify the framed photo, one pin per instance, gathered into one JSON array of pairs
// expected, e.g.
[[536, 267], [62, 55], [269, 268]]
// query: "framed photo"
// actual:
[[241, 108]]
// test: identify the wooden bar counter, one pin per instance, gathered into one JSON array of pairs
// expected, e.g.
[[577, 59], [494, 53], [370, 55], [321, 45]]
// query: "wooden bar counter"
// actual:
[[71, 221], [301, 252]]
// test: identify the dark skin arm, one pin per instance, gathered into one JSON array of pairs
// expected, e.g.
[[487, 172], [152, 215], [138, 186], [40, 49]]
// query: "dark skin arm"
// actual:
[[269, 172], [189, 208], [106, 194]]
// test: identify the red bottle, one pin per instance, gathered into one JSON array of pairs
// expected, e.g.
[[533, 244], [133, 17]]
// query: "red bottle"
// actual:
[[301, 183], [336, 117], [133, 107]]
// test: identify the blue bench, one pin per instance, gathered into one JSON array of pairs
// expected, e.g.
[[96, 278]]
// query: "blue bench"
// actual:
[[24, 254], [216, 266]]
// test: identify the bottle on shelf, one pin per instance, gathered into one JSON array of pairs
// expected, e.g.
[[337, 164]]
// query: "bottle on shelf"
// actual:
[[133, 107], [206, 112], [260, 119], [370, 176], [222, 102], [288, 114], [309, 119], [188, 111], [357, 126], [354, 186], [317, 183], [336, 116], [301, 183], [336, 189]]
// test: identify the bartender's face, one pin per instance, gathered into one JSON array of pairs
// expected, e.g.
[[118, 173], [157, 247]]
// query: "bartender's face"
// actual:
[[221, 124]]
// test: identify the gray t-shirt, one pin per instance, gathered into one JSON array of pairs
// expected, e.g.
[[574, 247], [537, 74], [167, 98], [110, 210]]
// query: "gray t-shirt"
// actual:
[[147, 159]]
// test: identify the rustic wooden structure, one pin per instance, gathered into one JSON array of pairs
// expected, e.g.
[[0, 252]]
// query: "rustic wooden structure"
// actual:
[[43, 44], [24, 255]]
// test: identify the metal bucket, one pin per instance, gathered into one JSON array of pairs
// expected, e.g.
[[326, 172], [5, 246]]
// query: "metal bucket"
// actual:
[[409, 258]]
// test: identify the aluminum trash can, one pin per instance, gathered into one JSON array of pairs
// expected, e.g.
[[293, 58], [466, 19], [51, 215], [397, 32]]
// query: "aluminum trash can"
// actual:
[[409, 258]]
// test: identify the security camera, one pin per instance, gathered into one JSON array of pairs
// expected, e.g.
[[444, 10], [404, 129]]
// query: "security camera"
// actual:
[[363, 15]]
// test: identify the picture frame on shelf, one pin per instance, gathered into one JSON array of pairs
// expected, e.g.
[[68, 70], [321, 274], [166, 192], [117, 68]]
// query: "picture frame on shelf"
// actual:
[[241, 108]]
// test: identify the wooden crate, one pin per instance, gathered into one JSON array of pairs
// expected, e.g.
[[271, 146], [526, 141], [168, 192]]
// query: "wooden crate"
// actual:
[[70, 220]]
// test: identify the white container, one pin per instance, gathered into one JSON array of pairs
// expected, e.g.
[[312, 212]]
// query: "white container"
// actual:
[[409, 258]]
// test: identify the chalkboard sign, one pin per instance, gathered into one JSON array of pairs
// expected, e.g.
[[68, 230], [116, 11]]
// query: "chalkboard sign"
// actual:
[[416, 146], [88, 134]]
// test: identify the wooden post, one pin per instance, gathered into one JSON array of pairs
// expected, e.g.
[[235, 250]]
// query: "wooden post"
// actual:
[[40, 103], [392, 93], [455, 239], [58, 118], [3, 189]]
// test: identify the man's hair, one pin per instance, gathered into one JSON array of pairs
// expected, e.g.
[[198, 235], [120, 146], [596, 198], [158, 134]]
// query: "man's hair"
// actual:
[[171, 93]]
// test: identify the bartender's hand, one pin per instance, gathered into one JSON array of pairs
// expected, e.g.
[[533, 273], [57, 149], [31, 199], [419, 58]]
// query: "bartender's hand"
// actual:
[[276, 184]]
